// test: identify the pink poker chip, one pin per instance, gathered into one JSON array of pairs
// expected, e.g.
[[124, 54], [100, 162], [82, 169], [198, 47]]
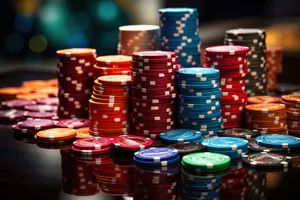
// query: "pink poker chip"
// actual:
[[94, 143], [132, 142], [17, 103], [17, 129], [48, 101], [227, 50], [88, 152], [41, 108], [72, 123], [36, 124], [40, 115]]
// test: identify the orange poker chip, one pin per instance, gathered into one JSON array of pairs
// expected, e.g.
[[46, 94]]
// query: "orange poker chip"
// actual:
[[56, 134], [82, 133], [262, 99], [292, 98], [265, 108], [115, 79], [76, 52], [32, 96], [114, 59]]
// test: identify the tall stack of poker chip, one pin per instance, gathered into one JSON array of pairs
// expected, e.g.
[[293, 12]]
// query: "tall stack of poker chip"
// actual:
[[153, 92], [109, 106], [231, 61], [75, 76], [292, 103], [179, 33], [267, 118], [133, 38], [156, 173], [201, 175], [255, 39], [112, 65], [77, 177], [274, 66], [199, 100]]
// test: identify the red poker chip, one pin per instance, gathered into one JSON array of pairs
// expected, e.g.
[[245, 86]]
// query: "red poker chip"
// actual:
[[36, 124], [230, 58], [153, 55], [24, 131], [131, 142], [96, 143], [87, 152], [71, 123], [17, 103], [48, 101], [39, 115], [227, 64], [227, 50], [237, 192]]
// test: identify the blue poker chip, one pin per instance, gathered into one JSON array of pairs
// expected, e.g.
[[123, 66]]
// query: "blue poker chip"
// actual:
[[162, 163], [180, 135], [198, 72], [202, 115], [278, 141], [198, 86], [156, 154], [211, 186], [224, 143], [170, 169], [198, 105], [231, 153], [199, 109], [199, 92], [195, 99], [186, 179]]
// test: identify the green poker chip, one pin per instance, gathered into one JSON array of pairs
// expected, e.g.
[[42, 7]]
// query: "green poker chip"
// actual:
[[206, 160], [205, 170]]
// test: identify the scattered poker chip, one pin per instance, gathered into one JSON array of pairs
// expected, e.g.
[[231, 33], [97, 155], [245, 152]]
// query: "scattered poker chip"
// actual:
[[17, 103], [225, 143], [55, 135], [254, 146], [39, 115], [267, 160], [278, 141], [262, 99], [181, 135], [90, 152], [239, 132], [23, 132], [95, 143], [71, 123], [156, 154], [82, 133], [186, 147], [131, 142], [36, 124], [40, 108], [48, 101], [11, 116]]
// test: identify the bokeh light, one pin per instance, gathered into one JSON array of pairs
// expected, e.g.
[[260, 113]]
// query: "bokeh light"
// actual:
[[106, 41], [78, 40], [24, 23], [14, 42], [27, 7], [81, 21], [38, 43], [108, 10]]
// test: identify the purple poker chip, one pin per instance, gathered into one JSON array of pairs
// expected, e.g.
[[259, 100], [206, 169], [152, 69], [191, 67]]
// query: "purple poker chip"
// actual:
[[72, 123], [17, 103], [41, 108], [11, 116], [17, 129], [94, 143], [36, 124], [39, 115], [48, 101]]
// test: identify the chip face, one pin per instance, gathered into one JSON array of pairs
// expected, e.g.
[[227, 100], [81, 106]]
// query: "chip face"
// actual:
[[278, 141]]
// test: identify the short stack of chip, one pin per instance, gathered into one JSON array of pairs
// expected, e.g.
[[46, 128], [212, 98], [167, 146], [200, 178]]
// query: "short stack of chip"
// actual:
[[153, 92], [202, 173], [150, 182], [255, 39], [274, 66], [133, 38], [55, 136], [131, 142], [231, 61], [92, 146], [262, 99], [75, 76], [29, 127], [292, 103], [109, 106], [199, 100], [112, 65], [77, 177], [267, 118], [179, 33], [180, 136]]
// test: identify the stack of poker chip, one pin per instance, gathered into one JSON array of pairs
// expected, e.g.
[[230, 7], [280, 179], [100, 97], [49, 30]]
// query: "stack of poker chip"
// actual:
[[153, 92], [255, 39], [267, 118], [180, 136], [179, 33], [239, 132], [55, 136], [235, 148], [262, 99], [133, 38], [202, 173], [149, 181], [29, 127], [112, 65], [75, 77], [77, 177], [274, 66], [231, 61], [199, 100], [292, 103], [92, 146], [109, 106], [131, 142]]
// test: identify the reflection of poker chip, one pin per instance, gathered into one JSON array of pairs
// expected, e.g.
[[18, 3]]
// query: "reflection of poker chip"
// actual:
[[239, 132]]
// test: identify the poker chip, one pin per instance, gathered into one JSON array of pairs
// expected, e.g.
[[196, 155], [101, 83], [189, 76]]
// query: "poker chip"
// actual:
[[274, 59], [292, 103], [262, 99], [134, 38], [186, 147], [198, 104], [48, 101], [267, 117], [82, 133], [254, 146], [153, 92], [17, 103], [225, 143], [131, 142], [23, 132], [36, 124], [109, 114], [231, 61], [156, 154], [179, 33], [278, 141], [40, 108], [11, 116], [181, 135], [74, 71], [71, 123], [255, 39], [239, 132], [39, 115], [95, 143], [55, 135]]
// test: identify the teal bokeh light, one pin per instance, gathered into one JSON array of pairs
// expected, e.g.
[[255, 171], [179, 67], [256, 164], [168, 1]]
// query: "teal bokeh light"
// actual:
[[108, 10], [78, 40], [14, 42]]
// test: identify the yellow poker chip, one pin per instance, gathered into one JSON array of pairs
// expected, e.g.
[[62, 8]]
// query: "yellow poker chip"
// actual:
[[56, 134], [115, 79]]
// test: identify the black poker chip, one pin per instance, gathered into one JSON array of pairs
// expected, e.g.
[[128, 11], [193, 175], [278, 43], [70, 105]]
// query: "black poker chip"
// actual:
[[239, 132], [186, 147], [255, 147]]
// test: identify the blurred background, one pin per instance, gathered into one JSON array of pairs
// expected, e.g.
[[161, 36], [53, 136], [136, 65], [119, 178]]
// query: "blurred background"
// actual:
[[32, 30]]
